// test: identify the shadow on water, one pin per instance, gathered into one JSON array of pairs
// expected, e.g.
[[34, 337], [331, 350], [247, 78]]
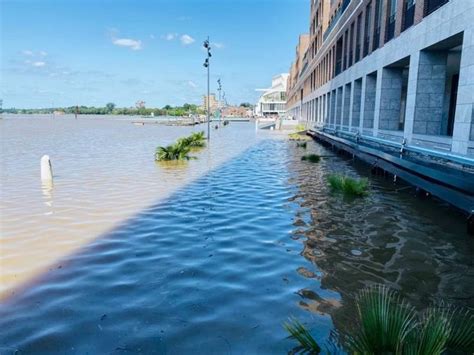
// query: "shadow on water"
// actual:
[[217, 267]]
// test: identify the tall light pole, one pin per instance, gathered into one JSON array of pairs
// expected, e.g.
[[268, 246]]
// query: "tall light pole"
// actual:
[[219, 88], [207, 65]]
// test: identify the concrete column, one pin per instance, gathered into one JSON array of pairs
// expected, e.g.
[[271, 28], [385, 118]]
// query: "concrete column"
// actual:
[[346, 105], [356, 104], [351, 105], [362, 104], [372, 95], [390, 98], [378, 90], [430, 92], [411, 96], [338, 115], [464, 117]]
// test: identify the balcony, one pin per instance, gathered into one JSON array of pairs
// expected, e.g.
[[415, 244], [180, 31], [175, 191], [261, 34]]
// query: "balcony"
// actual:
[[433, 5]]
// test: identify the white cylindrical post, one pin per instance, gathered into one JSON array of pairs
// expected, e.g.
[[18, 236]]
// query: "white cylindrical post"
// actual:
[[46, 169]]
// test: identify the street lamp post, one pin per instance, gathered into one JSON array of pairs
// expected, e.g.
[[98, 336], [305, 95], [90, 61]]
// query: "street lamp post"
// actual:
[[219, 88], [207, 65]]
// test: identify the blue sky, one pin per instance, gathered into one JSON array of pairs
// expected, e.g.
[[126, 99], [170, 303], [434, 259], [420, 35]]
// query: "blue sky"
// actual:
[[90, 52]]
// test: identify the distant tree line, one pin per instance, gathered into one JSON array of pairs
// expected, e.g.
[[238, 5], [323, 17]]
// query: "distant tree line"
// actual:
[[111, 109]]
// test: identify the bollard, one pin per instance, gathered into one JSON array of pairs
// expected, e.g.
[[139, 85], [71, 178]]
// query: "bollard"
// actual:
[[46, 169]]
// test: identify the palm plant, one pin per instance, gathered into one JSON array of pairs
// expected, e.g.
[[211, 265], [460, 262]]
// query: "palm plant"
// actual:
[[387, 324], [195, 140], [347, 185], [312, 158], [177, 151]]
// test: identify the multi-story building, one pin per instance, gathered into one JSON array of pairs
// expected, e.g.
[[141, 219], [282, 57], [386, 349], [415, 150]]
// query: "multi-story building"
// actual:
[[213, 102], [392, 82], [399, 71], [272, 102]]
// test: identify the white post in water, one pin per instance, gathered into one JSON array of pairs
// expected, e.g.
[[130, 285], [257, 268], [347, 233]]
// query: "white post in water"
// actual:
[[46, 169]]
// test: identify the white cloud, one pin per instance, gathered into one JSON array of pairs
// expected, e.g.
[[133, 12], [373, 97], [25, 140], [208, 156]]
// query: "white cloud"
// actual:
[[192, 84], [186, 39], [27, 52], [133, 44], [217, 45], [169, 36], [152, 36], [43, 53], [38, 64]]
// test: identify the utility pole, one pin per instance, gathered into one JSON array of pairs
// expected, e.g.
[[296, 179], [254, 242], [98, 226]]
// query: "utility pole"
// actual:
[[207, 64]]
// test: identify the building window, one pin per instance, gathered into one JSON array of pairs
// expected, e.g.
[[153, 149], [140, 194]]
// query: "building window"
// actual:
[[408, 14], [377, 18], [368, 10], [358, 29], [338, 67], [391, 14], [433, 5], [351, 44]]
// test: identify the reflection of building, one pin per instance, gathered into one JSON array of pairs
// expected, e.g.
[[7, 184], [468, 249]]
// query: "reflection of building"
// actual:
[[213, 103], [273, 100], [397, 71]]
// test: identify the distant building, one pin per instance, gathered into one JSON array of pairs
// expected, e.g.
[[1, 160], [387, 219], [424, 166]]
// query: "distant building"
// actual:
[[140, 104], [213, 103], [273, 100], [236, 111]]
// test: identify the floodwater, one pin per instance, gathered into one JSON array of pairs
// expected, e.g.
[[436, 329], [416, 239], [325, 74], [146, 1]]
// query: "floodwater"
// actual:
[[123, 255]]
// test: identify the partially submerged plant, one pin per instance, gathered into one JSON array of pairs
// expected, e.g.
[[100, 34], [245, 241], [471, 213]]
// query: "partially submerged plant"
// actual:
[[302, 335], [312, 158], [301, 145], [195, 140], [387, 324], [348, 185], [177, 151], [298, 137]]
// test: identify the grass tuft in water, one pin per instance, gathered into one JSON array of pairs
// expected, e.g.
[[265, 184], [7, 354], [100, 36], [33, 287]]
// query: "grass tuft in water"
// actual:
[[348, 185], [387, 324], [312, 158], [301, 145]]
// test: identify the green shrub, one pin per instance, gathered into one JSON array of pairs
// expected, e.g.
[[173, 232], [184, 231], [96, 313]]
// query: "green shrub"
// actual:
[[298, 137], [195, 140], [348, 186], [301, 145], [177, 151], [387, 324], [312, 158]]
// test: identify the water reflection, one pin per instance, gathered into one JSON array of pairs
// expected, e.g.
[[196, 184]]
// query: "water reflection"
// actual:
[[417, 247]]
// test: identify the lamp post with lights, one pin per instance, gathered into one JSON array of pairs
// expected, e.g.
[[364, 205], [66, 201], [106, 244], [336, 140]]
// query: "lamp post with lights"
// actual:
[[206, 64]]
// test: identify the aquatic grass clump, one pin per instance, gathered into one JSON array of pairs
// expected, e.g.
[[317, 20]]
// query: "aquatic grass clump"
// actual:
[[301, 145], [312, 158], [177, 151], [348, 185], [298, 137], [388, 324]]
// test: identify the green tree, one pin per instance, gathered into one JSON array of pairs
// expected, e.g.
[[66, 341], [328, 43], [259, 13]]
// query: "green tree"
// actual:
[[110, 106], [246, 104]]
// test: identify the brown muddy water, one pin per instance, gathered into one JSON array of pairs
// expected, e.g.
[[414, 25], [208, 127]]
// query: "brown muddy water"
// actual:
[[123, 255]]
